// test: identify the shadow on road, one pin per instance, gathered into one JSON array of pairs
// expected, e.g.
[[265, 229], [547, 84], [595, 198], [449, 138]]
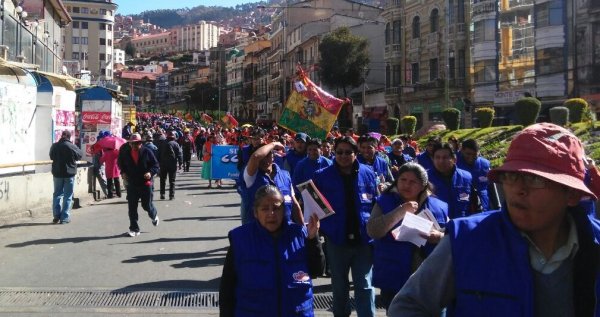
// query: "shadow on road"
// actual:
[[174, 285], [17, 225], [62, 240], [207, 218], [161, 240], [225, 205], [214, 257]]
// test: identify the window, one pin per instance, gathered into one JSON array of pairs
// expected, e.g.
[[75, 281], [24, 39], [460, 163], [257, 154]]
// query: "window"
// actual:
[[433, 69], [102, 57], [397, 32], [75, 40], [462, 69], [434, 20], [460, 18], [484, 31], [451, 67], [414, 74], [416, 27], [396, 75], [101, 26], [75, 55], [550, 13], [387, 34], [102, 41], [109, 42], [108, 57], [388, 76], [102, 11], [109, 27], [102, 71], [84, 40], [75, 24], [550, 61], [485, 71], [451, 10], [75, 9], [85, 10], [84, 25]]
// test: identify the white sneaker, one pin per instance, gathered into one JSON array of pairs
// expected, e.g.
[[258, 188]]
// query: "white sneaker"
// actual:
[[155, 221], [133, 233]]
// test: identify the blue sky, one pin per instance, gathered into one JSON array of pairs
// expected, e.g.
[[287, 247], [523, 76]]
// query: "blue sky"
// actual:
[[137, 6]]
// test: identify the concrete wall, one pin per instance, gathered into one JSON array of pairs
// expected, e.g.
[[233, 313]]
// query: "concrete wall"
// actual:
[[31, 194]]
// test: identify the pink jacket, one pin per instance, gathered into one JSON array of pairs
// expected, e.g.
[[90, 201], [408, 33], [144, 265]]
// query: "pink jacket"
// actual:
[[109, 158]]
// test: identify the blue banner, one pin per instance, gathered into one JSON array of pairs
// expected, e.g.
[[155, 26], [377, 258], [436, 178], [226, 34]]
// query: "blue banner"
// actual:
[[224, 162]]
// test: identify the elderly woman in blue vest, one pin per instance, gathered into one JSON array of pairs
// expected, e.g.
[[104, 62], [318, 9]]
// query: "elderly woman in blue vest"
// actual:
[[538, 256], [268, 267], [369, 157], [260, 171], [394, 261], [450, 183], [306, 168], [350, 188], [469, 160]]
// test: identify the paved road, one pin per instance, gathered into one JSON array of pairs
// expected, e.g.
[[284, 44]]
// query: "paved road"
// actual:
[[92, 255]]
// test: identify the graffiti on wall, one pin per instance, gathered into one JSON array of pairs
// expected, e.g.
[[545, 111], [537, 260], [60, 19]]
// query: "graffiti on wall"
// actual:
[[4, 189]]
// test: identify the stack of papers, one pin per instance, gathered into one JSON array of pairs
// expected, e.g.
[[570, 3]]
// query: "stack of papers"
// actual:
[[414, 229], [314, 201]]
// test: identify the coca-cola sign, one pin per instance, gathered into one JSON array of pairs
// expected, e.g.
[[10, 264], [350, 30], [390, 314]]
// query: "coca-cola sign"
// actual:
[[96, 117]]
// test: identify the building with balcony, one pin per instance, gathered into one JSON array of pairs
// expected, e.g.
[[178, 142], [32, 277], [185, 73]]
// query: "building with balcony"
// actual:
[[235, 80], [426, 52], [585, 47], [89, 38], [159, 44]]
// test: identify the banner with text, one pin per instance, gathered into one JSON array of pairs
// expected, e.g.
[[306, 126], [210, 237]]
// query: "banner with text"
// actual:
[[224, 162]]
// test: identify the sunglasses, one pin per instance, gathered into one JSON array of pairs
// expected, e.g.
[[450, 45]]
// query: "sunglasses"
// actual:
[[342, 152], [531, 180]]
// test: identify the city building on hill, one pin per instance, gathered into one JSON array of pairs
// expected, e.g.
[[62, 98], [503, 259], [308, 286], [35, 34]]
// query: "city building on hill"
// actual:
[[154, 44], [139, 86], [196, 37], [89, 38]]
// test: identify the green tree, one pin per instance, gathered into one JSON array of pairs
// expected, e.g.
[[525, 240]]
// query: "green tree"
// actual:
[[130, 49], [204, 96], [344, 59]]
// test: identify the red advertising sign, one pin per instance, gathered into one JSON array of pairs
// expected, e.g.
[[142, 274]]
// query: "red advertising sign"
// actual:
[[96, 117]]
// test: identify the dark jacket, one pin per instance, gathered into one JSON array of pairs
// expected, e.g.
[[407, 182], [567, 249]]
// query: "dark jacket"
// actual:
[[64, 156], [170, 154], [147, 163]]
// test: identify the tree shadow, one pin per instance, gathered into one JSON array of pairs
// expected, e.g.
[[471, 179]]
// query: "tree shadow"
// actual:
[[164, 240], [17, 225], [225, 205], [62, 240], [172, 286], [214, 257]]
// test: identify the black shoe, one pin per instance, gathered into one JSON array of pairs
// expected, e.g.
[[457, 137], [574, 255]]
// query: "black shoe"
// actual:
[[171, 197], [55, 220], [162, 196]]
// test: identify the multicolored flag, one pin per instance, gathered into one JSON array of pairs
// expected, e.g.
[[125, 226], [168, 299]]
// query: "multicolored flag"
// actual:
[[310, 109], [206, 118], [229, 120]]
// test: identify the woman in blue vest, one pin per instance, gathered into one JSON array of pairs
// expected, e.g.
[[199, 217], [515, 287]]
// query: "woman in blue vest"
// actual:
[[270, 262], [261, 170], [394, 261]]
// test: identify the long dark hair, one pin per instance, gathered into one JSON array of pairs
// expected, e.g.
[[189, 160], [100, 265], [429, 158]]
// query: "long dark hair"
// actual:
[[420, 173]]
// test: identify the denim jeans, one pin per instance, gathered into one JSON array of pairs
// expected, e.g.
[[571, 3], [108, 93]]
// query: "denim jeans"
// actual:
[[134, 194], [359, 259], [63, 189]]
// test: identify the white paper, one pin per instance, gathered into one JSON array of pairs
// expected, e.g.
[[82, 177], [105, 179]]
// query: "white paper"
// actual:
[[426, 214], [413, 229], [314, 202]]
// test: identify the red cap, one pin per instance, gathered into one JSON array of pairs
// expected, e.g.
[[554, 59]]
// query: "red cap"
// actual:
[[549, 151]]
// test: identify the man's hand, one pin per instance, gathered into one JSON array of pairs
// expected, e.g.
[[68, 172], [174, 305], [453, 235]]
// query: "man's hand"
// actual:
[[313, 226], [147, 176]]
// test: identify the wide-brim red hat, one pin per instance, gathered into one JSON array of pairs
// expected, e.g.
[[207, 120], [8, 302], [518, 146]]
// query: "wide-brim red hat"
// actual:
[[549, 151]]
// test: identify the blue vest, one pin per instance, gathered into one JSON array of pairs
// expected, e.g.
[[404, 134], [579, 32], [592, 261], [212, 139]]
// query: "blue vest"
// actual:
[[330, 184], [272, 274], [292, 159], [392, 260], [379, 166], [282, 181], [424, 160], [306, 168], [479, 171], [456, 194], [492, 273]]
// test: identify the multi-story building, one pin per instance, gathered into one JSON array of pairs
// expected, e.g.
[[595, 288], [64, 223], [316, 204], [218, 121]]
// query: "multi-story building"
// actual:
[[426, 54], [235, 78], [89, 38], [197, 37], [254, 99], [118, 56], [585, 46], [154, 44]]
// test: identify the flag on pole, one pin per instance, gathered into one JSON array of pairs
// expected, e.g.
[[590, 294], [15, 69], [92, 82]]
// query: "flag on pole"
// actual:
[[229, 120], [310, 109], [206, 118]]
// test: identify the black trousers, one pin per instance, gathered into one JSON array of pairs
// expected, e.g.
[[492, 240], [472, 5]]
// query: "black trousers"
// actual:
[[171, 172], [109, 187], [136, 193]]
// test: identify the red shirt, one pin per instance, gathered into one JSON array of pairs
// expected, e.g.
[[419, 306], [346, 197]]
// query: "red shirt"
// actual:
[[135, 155]]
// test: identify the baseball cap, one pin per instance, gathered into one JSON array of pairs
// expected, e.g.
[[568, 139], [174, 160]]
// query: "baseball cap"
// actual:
[[549, 151], [135, 138], [301, 137]]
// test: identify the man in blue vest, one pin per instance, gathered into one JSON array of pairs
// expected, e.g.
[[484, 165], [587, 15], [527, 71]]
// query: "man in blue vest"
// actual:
[[306, 168], [293, 156], [369, 157], [451, 184], [425, 159], [469, 160], [538, 256]]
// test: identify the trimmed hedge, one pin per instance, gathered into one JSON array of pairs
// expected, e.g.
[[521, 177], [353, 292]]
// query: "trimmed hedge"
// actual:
[[577, 107], [451, 118], [559, 116], [392, 126], [408, 125], [485, 116], [527, 110]]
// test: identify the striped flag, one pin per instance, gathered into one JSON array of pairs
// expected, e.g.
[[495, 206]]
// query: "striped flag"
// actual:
[[310, 109], [229, 120]]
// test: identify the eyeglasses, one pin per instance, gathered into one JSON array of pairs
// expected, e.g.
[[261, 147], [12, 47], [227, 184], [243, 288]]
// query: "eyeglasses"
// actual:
[[531, 180], [342, 152]]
